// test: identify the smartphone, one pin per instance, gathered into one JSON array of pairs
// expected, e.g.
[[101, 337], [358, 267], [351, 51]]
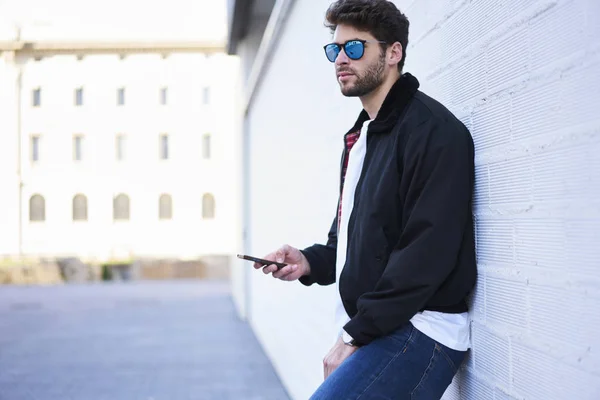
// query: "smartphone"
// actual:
[[261, 261]]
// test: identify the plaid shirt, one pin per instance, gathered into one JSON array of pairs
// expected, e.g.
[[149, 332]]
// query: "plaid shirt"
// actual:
[[351, 139]]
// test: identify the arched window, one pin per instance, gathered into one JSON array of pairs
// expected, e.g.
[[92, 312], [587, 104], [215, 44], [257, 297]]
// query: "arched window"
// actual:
[[37, 208], [121, 207], [208, 206], [80, 208], [165, 206]]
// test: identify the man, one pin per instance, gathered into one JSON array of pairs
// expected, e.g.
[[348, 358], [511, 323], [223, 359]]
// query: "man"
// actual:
[[401, 247]]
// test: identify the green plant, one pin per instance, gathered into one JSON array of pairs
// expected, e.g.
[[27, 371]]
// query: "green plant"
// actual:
[[106, 272]]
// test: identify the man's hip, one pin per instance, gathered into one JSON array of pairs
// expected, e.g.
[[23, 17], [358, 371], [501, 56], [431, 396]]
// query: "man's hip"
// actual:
[[406, 364]]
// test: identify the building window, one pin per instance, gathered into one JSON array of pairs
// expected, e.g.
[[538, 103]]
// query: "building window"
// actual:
[[37, 208], [164, 146], [36, 99], [78, 97], [208, 206], [163, 96], [206, 95], [121, 208], [77, 147], [120, 146], [206, 146], [35, 148], [80, 208], [165, 207], [121, 96]]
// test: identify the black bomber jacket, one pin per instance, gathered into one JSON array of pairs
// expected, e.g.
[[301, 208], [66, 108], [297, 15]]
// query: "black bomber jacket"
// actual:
[[410, 234]]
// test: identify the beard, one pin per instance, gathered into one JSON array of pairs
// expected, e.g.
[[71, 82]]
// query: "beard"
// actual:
[[365, 83]]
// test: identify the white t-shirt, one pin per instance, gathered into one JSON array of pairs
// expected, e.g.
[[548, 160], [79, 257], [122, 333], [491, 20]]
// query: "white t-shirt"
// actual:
[[451, 330]]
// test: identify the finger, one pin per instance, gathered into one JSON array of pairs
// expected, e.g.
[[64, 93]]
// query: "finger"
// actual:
[[285, 271], [284, 253], [280, 254], [332, 368], [327, 363], [270, 268], [286, 249]]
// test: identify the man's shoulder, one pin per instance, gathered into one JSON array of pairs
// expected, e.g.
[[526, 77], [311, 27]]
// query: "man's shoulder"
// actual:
[[431, 122], [425, 108]]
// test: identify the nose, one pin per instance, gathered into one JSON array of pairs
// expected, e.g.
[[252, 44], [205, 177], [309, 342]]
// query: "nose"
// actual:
[[342, 58]]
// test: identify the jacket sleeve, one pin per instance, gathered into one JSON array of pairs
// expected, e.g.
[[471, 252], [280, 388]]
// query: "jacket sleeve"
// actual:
[[435, 192], [322, 259]]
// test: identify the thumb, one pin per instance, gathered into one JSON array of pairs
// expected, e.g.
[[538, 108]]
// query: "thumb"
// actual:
[[282, 253]]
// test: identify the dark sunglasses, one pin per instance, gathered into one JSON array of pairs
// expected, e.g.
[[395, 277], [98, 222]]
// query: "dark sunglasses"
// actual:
[[354, 49]]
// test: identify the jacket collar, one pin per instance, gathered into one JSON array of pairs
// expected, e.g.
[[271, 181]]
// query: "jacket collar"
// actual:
[[395, 102]]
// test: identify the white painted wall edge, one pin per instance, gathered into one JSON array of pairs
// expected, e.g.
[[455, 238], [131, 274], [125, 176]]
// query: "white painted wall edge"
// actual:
[[281, 11]]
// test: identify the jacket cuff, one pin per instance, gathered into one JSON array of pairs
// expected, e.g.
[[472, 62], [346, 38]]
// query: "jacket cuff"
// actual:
[[362, 329], [308, 280]]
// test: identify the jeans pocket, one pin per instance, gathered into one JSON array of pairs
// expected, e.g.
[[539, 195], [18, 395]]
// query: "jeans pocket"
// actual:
[[453, 357], [446, 357], [436, 377]]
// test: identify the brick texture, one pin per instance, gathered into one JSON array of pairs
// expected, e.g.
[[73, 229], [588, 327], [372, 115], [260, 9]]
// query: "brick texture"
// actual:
[[520, 76]]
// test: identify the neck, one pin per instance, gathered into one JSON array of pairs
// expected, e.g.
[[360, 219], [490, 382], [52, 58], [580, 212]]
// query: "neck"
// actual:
[[372, 102]]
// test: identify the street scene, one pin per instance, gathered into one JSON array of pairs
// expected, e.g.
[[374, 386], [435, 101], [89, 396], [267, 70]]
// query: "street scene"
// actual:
[[139, 341]]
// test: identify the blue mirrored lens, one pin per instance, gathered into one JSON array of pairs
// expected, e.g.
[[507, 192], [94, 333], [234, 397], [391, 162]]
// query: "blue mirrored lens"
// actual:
[[354, 49], [332, 51]]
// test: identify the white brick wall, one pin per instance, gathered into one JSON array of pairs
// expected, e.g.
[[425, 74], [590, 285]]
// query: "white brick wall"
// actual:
[[295, 150], [523, 76]]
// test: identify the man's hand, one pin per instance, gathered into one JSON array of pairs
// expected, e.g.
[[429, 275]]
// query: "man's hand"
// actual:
[[297, 267], [336, 356]]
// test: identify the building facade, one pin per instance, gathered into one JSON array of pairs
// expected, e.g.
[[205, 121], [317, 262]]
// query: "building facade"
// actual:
[[117, 150], [522, 76]]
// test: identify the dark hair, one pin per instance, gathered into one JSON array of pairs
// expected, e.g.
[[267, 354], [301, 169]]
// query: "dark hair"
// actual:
[[380, 18]]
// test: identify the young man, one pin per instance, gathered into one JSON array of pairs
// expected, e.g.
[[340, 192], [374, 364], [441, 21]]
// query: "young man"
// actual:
[[401, 247]]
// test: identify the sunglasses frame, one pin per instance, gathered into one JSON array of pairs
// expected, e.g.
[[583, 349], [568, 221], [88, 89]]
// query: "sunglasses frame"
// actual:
[[343, 46]]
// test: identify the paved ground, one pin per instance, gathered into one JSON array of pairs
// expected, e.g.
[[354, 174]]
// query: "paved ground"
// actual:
[[146, 341]]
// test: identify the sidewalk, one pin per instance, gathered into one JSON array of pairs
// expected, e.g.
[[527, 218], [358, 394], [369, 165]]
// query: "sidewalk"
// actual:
[[146, 341]]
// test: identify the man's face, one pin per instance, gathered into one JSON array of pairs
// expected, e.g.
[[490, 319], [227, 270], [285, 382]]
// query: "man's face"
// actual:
[[359, 77]]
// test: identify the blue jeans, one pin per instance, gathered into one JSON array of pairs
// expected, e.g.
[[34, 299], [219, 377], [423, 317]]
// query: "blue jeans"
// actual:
[[406, 364]]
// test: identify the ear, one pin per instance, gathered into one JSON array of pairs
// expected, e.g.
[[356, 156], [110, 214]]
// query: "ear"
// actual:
[[395, 53]]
